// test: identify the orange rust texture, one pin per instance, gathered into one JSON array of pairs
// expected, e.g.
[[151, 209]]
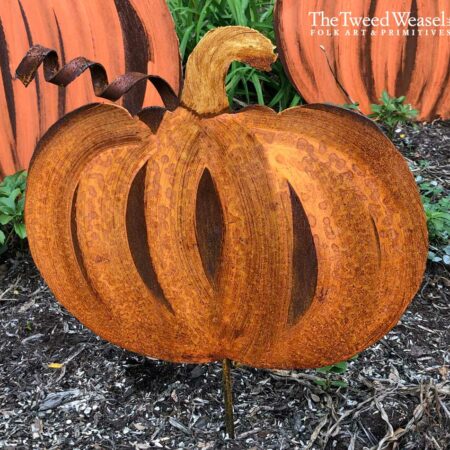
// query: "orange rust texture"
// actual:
[[275, 240], [125, 35], [415, 66]]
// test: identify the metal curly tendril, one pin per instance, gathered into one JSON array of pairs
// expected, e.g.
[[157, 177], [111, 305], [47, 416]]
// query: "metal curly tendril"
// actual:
[[37, 55]]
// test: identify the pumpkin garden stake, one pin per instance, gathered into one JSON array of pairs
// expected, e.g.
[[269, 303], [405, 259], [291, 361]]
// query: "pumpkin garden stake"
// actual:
[[359, 62], [291, 240], [228, 397], [126, 35]]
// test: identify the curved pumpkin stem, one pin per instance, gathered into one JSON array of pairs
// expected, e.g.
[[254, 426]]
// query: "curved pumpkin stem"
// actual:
[[207, 66]]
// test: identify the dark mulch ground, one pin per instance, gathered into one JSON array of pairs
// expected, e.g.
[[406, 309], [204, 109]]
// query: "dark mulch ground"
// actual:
[[398, 393]]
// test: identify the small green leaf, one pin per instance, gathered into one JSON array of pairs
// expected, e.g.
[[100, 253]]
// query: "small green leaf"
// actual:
[[325, 369], [5, 219], [7, 205], [385, 97], [20, 230], [339, 367], [2, 237], [338, 383]]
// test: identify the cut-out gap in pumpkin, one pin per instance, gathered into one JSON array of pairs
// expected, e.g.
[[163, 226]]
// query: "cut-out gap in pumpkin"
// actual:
[[137, 237], [209, 225], [304, 260]]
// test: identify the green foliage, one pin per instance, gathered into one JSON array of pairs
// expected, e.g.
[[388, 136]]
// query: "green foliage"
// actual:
[[245, 85], [437, 209], [12, 202], [392, 112], [332, 374], [351, 106]]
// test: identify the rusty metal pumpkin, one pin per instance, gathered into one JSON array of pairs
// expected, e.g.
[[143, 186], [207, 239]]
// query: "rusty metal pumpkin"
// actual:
[[126, 35], [358, 67], [277, 240]]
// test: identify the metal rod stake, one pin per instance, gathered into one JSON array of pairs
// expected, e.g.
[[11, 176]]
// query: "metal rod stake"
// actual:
[[228, 397]]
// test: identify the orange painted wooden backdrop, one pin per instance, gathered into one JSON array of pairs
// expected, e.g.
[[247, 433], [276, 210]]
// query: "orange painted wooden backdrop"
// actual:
[[416, 66], [124, 35]]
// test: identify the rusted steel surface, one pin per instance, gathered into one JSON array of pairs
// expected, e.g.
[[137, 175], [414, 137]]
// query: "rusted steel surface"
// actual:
[[126, 35], [37, 55], [271, 239], [416, 66]]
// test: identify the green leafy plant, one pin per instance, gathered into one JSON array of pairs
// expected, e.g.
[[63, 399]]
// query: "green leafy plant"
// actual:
[[392, 112], [437, 210], [245, 85], [332, 374], [12, 202]]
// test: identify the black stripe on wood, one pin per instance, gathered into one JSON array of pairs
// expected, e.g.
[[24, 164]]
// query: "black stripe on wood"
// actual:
[[136, 47], [37, 84], [61, 90], [404, 77], [9, 93], [365, 56]]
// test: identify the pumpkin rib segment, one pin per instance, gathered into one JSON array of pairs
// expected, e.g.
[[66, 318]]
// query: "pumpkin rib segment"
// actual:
[[136, 231], [315, 123], [396, 265], [58, 165], [442, 108], [389, 54], [146, 321], [256, 207], [334, 229], [170, 215], [232, 294], [40, 26]]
